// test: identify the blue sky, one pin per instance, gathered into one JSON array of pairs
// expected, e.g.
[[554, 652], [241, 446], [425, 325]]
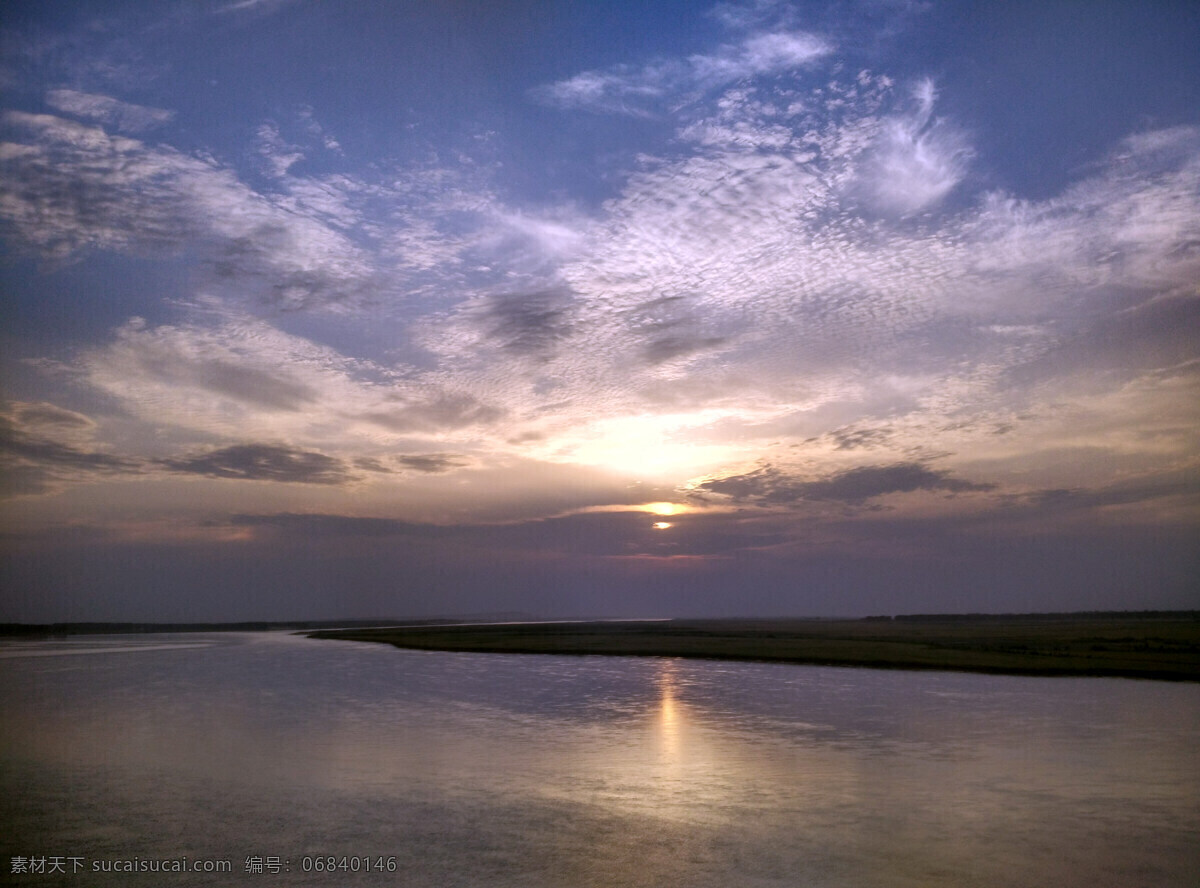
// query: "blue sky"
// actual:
[[613, 309]]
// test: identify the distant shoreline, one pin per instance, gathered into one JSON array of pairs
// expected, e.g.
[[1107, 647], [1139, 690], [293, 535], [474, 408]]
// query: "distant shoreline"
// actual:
[[136, 628], [1158, 645]]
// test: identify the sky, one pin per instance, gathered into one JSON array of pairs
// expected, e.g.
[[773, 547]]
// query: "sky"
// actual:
[[319, 310]]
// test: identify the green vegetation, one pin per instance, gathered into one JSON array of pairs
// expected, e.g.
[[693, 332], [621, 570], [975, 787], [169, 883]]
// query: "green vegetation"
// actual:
[[1163, 645]]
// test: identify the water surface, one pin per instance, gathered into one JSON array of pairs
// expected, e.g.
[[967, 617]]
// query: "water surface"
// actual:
[[498, 770]]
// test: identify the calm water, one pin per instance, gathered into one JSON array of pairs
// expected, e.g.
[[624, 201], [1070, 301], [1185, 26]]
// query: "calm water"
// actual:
[[490, 770]]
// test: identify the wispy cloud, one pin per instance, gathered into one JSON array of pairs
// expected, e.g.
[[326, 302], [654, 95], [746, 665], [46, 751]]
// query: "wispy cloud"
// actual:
[[642, 91], [196, 376], [244, 376], [430, 411], [258, 7], [43, 447], [71, 187], [277, 154], [915, 160], [121, 116]]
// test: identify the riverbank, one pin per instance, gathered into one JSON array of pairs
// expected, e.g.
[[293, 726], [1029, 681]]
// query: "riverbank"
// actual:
[[1120, 645]]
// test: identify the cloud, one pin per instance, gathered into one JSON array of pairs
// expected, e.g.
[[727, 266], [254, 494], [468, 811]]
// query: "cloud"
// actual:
[[745, 274], [1130, 228], [775, 274], [15, 443], [1179, 484], [256, 7], [848, 438], [69, 188], [526, 324], [164, 358], [263, 462], [915, 161], [764, 53], [621, 91], [768, 485], [72, 187], [43, 446], [668, 348], [639, 91], [278, 155], [444, 410], [44, 416], [768, 248], [336, 525], [1115, 347], [112, 113], [430, 463], [733, 276], [236, 375], [370, 464]]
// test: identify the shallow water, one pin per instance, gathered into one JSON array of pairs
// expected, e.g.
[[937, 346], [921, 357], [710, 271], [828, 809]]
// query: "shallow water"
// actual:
[[498, 770]]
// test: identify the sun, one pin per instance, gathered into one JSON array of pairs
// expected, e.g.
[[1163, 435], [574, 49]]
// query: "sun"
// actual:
[[661, 525]]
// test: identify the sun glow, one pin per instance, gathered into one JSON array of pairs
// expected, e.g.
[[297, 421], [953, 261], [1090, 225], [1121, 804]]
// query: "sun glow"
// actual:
[[661, 525], [676, 445]]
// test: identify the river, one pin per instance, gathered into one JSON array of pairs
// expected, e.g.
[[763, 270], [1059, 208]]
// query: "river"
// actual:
[[282, 758]]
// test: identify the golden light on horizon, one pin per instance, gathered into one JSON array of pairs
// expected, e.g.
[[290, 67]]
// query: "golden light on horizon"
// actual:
[[661, 525], [664, 508]]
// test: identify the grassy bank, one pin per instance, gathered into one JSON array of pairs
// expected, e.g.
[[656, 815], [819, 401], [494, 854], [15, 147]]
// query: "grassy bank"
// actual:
[[1159, 647]]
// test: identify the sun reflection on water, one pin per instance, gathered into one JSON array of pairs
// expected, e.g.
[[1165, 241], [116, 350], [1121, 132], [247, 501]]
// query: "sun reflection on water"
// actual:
[[669, 715]]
